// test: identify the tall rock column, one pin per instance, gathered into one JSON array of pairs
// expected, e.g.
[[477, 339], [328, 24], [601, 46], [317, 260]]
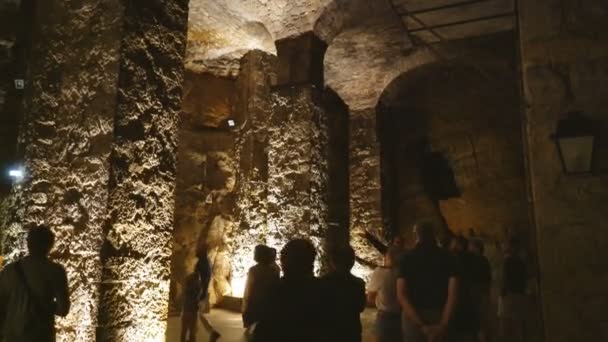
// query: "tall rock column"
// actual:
[[365, 188], [66, 135], [137, 249], [564, 47], [252, 118], [298, 146]]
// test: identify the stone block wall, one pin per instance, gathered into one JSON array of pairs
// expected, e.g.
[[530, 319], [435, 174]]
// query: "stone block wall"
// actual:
[[298, 169], [102, 88], [564, 47], [365, 188], [137, 245], [265, 180], [253, 115], [66, 135], [206, 179]]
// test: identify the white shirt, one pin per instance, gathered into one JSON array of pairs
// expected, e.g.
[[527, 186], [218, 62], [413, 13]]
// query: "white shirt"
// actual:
[[384, 282]]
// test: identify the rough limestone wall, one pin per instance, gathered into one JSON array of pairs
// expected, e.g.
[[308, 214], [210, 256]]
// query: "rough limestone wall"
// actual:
[[206, 177], [297, 168], [137, 249], [365, 192], [252, 113], [565, 64], [67, 137]]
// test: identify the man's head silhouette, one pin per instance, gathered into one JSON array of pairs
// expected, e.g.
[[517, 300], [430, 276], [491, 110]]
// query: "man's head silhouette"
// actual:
[[297, 258], [40, 241]]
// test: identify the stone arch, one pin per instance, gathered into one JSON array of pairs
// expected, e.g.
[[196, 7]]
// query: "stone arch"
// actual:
[[459, 124], [339, 15], [376, 50]]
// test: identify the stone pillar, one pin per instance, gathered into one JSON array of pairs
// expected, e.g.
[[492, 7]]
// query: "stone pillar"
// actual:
[[564, 47], [252, 117], [137, 248], [365, 189], [298, 146], [70, 98]]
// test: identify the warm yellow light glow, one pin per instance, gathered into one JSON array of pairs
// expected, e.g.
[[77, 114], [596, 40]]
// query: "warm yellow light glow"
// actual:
[[238, 286], [361, 271]]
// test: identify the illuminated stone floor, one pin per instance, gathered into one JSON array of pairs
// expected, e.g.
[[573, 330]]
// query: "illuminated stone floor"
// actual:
[[229, 325]]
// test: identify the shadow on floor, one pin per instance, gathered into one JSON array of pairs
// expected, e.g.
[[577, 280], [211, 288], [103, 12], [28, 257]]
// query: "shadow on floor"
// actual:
[[230, 326]]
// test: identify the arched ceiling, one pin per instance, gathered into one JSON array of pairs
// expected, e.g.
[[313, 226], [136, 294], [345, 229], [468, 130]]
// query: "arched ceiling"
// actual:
[[361, 62], [220, 32], [371, 42]]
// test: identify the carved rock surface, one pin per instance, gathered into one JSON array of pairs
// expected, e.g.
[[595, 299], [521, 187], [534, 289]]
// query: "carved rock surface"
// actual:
[[67, 140], [137, 247]]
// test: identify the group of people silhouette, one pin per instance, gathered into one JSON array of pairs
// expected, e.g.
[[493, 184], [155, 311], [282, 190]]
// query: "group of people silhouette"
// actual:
[[429, 293]]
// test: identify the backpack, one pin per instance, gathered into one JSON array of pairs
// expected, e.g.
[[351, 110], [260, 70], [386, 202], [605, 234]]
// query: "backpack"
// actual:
[[29, 320]]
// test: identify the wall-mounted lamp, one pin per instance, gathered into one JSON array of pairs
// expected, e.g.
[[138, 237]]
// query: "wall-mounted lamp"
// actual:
[[19, 84], [575, 139], [16, 174], [231, 123]]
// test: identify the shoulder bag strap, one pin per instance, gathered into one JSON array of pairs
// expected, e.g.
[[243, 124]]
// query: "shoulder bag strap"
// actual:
[[28, 289]]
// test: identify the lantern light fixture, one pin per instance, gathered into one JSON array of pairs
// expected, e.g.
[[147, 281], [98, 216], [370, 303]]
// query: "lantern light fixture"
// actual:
[[575, 138]]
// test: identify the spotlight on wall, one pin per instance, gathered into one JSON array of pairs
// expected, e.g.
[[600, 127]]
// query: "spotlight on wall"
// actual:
[[575, 139], [231, 123]]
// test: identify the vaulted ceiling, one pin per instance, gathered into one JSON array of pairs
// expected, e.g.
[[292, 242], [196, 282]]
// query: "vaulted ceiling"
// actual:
[[371, 42]]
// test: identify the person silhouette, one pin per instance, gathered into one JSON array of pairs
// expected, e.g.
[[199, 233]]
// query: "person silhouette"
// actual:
[[262, 280], [33, 290], [344, 296], [427, 288], [382, 292], [294, 309], [190, 308], [203, 270]]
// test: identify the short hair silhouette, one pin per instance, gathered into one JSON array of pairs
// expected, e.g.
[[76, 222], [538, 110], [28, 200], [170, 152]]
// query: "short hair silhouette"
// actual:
[[478, 245], [343, 258], [272, 254], [461, 241], [298, 257], [40, 240], [425, 233], [260, 254]]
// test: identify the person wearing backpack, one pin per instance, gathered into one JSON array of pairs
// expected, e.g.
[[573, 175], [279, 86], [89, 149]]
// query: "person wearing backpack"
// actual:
[[33, 290]]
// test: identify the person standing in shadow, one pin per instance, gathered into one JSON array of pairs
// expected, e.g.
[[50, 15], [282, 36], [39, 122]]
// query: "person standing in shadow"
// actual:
[[295, 308], [481, 282], [192, 291], [381, 291], [427, 288], [33, 290], [344, 296], [512, 302], [466, 321], [203, 271], [262, 280]]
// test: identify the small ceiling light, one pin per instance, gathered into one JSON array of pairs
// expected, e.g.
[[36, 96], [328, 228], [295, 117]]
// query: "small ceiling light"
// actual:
[[575, 139], [231, 123], [19, 84]]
